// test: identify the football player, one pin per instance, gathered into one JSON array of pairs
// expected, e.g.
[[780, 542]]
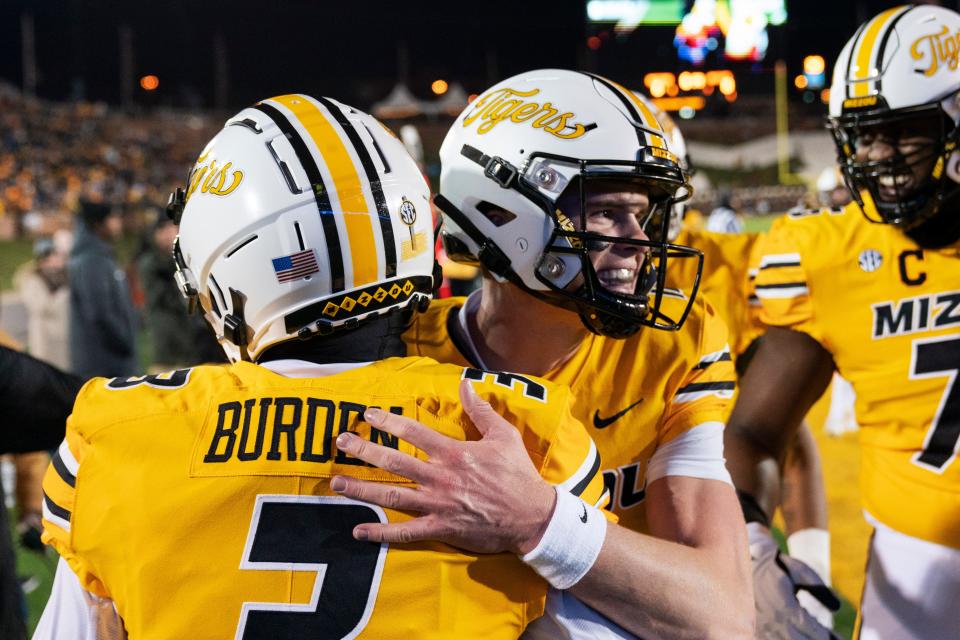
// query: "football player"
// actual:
[[197, 503], [873, 291], [559, 184]]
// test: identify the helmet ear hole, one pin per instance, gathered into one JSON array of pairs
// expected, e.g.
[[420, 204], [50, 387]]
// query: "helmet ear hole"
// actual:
[[497, 216]]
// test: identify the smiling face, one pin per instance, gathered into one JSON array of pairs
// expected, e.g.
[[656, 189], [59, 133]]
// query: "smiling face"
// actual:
[[613, 210], [910, 142]]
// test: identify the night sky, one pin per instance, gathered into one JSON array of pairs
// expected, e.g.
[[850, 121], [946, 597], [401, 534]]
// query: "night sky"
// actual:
[[348, 49]]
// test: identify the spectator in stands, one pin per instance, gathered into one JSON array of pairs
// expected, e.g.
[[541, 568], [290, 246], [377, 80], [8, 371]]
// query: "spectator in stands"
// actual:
[[103, 323], [42, 284], [177, 338], [52, 154]]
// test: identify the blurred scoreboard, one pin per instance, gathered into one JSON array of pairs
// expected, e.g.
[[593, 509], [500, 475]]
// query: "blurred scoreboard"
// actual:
[[732, 29]]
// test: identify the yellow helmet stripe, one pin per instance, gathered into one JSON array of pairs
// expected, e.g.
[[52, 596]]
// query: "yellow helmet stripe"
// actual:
[[347, 184], [646, 115], [864, 52]]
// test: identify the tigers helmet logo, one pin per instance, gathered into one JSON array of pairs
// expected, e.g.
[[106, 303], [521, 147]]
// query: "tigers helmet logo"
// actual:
[[512, 105], [209, 177]]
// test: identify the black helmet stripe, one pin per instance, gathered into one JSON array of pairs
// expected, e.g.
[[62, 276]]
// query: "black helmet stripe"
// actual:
[[631, 109], [386, 225], [319, 192], [884, 40]]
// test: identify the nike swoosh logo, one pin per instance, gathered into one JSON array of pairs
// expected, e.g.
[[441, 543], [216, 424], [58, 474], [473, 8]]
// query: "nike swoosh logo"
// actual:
[[603, 423], [583, 518]]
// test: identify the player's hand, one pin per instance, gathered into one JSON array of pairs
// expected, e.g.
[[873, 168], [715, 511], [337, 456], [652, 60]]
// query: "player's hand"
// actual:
[[777, 579], [482, 495]]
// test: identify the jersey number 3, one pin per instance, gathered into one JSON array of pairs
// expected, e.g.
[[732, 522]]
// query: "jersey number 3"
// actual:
[[313, 533], [938, 358]]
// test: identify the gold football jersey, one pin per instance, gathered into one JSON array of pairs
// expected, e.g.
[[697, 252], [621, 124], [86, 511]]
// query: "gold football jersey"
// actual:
[[725, 281], [889, 313], [199, 501], [635, 394]]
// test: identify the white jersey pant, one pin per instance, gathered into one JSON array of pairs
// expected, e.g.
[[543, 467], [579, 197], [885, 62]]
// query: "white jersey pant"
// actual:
[[912, 589]]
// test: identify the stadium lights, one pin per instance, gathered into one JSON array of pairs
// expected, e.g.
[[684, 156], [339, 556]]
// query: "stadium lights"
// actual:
[[814, 70], [728, 85], [662, 83], [685, 105], [814, 65], [439, 87], [149, 83]]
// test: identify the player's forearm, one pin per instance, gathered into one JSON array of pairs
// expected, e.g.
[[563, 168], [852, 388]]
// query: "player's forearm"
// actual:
[[804, 502], [753, 468], [656, 588]]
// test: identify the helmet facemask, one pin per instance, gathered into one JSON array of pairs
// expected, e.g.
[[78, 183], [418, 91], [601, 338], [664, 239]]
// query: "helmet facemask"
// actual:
[[908, 188], [631, 289], [621, 283]]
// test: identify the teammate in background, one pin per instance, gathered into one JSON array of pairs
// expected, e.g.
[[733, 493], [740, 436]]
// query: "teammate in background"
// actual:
[[559, 184], [841, 418], [780, 583], [724, 218], [197, 503], [872, 291], [832, 193]]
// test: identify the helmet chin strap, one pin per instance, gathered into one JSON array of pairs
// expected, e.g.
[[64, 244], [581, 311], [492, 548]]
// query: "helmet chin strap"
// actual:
[[943, 228]]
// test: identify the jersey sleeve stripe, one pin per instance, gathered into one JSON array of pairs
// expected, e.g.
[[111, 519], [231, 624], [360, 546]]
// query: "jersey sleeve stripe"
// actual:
[[778, 260], [781, 290], [578, 482], [69, 460], [712, 358], [55, 513], [697, 390], [61, 468]]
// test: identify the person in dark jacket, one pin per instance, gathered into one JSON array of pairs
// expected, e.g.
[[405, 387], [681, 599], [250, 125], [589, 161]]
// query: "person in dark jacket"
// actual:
[[178, 339], [102, 318], [35, 400]]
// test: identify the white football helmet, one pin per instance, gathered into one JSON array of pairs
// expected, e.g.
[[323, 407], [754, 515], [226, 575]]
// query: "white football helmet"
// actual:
[[678, 145], [522, 145], [898, 76], [302, 215]]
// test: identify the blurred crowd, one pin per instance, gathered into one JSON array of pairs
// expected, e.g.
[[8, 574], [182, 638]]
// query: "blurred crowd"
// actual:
[[53, 154]]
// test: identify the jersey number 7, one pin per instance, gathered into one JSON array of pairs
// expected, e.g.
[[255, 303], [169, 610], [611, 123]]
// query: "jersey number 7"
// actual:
[[939, 358], [313, 533]]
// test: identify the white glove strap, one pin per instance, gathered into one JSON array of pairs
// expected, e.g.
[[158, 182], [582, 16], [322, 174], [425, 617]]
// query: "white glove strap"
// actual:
[[812, 547], [571, 543]]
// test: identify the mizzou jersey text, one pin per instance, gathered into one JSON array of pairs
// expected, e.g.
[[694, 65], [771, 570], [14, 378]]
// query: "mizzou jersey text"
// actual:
[[889, 314], [200, 503], [725, 281], [635, 395]]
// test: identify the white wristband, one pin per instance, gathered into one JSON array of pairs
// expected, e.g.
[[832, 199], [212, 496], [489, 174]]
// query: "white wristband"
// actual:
[[812, 547], [571, 543]]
